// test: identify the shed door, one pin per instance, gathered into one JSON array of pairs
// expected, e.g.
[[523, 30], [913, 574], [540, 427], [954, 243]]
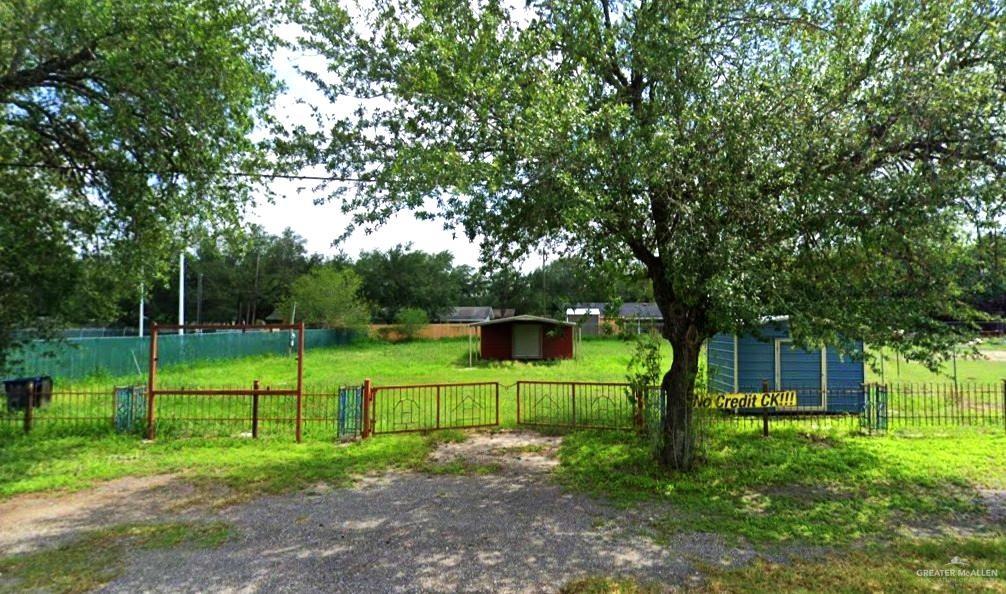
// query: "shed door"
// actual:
[[797, 369], [527, 341]]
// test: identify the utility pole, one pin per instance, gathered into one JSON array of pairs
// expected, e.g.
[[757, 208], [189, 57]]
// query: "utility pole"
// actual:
[[181, 291]]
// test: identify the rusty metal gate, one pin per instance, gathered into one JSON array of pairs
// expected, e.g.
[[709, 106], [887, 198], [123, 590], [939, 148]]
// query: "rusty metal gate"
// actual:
[[581, 405], [426, 407]]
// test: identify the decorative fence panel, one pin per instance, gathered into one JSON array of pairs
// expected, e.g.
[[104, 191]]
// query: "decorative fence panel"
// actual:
[[64, 411], [936, 405], [229, 412], [402, 409], [577, 404]]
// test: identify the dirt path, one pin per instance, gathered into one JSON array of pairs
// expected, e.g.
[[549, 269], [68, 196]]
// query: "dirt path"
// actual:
[[510, 531], [30, 522]]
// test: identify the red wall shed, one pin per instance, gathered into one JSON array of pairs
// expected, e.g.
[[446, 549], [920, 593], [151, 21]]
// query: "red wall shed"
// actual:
[[526, 338]]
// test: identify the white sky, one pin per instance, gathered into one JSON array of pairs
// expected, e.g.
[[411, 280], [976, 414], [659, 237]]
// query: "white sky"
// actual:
[[321, 224]]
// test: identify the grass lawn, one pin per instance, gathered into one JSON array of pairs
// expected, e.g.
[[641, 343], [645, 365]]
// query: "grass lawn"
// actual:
[[441, 361], [876, 510], [250, 467], [873, 568], [94, 559], [821, 487], [447, 361], [987, 369]]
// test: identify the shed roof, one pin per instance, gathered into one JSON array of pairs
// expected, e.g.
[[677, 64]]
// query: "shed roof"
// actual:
[[524, 319]]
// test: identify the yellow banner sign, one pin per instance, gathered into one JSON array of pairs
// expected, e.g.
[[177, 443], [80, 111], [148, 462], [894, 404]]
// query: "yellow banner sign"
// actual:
[[784, 399]]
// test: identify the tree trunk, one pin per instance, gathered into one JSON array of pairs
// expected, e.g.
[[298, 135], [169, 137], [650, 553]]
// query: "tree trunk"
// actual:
[[678, 388]]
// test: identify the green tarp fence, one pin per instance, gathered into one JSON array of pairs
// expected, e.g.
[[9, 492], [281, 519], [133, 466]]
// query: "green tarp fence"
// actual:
[[83, 357]]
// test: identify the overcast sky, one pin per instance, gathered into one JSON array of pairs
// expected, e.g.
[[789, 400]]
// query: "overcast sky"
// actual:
[[320, 225]]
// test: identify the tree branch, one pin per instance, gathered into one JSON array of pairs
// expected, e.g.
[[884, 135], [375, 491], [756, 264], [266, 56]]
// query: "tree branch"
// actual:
[[51, 69]]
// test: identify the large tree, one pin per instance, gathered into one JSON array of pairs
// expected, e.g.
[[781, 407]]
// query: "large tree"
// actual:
[[117, 120], [401, 278], [757, 158]]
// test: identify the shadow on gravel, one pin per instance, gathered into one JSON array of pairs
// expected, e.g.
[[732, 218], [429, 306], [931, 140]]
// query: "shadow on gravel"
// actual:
[[410, 531]]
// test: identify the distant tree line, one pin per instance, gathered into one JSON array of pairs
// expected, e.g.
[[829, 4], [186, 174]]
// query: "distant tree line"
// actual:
[[260, 276], [254, 278]]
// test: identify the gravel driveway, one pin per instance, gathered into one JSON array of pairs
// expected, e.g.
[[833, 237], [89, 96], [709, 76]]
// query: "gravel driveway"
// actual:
[[510, 531]]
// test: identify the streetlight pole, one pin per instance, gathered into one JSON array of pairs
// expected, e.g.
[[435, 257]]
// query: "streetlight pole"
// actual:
[[141, 310], [181, 292]]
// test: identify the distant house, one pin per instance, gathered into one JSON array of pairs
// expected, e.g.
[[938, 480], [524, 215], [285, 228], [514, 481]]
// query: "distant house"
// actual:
[[635, 317], [467, 315], [588, 317]]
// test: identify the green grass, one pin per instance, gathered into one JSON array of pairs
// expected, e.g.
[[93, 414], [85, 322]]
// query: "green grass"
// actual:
[[822, 488], [898, 567], [607, 585], [447, 361], [969, 369], [248, 467], [384, 363], [96, 558], [873, 568]]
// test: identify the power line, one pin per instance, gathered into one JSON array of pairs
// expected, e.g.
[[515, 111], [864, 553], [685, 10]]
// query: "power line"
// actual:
[[240, 174]]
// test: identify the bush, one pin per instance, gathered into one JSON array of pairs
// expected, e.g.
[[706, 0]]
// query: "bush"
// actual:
[[643, 372], [410, 322], [330, 298]]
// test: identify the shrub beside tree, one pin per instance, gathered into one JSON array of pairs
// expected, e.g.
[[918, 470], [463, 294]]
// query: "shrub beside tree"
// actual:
[[410, 322], [328, 298]]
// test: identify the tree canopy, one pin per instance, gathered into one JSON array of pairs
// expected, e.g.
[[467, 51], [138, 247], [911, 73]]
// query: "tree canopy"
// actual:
[[756, 157], [117, 120], [401, 278]]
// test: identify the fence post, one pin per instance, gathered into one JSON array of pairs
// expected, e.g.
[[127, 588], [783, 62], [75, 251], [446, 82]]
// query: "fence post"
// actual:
[[255, 409], [497, 404], [639, 403], [764, 422], [574, 404], [300, 381], [29, 405], [868, 407], [438, 407], [1004, 404], [518, 402], [151, 381], [365, 430]]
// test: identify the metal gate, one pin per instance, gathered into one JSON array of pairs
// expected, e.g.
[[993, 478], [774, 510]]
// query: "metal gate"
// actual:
[[426, 407], [350, 415], [875, 411], [130, 409]]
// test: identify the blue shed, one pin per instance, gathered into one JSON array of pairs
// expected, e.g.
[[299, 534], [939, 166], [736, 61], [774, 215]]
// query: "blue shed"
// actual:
[[825, 380]]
